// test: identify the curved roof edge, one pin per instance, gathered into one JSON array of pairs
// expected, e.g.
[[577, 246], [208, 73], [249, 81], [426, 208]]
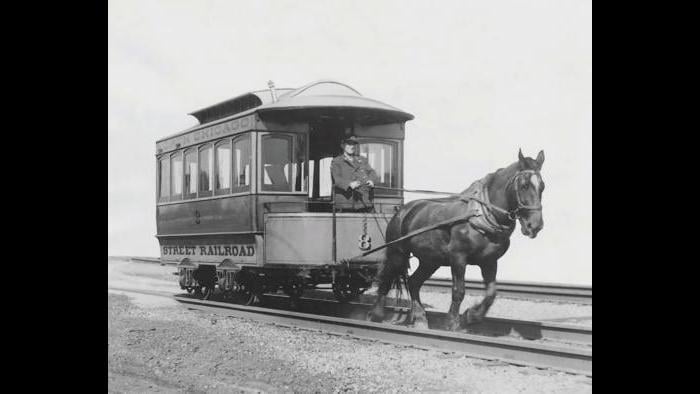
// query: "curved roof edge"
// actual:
[[333, 95], [299, 100]]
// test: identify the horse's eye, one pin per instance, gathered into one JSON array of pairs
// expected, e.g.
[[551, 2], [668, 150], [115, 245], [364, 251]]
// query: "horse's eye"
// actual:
[[525, 185]]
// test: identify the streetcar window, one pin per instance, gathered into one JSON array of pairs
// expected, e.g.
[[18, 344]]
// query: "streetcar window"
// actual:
[[176, 176], [241, 163], [383, 159], [205, 171], [284, 163], [191, 174], [164, 175], [223, 167]]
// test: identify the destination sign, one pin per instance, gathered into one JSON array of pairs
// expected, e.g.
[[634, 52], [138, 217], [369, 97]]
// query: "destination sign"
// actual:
[[206, 134]]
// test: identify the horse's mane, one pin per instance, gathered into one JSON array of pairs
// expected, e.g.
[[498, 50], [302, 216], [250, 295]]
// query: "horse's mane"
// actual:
[[487, 179]]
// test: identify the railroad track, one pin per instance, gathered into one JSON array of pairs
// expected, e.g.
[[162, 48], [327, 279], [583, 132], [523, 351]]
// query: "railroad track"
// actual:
[[491, 326], [527, 290], [145, 260], [326, 317], [523, 290]]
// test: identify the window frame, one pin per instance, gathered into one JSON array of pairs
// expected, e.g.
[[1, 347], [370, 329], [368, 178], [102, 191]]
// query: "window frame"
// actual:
[[260, 180], [185, 193], [398, 152], [159, 179], [177, 197], [205, 193], [223, 191], [246, 188]]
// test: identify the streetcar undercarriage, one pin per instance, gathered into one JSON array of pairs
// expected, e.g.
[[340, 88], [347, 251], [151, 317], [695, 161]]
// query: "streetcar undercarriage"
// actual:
[[246, 284]]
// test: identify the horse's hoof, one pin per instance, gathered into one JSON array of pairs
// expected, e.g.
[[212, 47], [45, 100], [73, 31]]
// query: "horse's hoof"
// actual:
[[453, 324], [375, 317], [468, 318]]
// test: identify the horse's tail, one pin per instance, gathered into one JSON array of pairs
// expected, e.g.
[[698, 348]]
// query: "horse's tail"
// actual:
[[401, 279], [397, 258]]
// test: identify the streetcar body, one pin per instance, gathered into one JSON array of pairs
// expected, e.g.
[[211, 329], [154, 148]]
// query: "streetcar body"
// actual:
[[247, 193]]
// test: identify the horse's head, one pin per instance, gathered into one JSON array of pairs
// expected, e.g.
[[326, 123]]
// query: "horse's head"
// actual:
[[526, 197]]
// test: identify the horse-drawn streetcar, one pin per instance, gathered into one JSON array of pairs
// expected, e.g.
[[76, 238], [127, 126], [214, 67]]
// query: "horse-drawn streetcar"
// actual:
[[245, 199], [292, 188]]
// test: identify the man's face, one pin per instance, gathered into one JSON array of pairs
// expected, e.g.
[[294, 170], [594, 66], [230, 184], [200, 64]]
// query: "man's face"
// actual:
[[349, 148]]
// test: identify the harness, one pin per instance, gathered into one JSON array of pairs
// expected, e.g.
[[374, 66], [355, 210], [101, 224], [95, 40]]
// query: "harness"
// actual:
[[480, 211], [483, 218], [479, 215]]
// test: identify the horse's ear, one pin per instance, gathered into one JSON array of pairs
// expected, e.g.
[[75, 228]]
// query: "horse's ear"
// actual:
[[540, 159], [521, 158]]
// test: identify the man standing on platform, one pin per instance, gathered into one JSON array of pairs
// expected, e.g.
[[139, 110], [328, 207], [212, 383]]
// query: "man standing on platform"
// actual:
[[353, 179]]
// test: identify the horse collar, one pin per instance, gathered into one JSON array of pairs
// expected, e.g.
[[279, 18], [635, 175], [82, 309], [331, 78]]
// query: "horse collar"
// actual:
[[483, 219]]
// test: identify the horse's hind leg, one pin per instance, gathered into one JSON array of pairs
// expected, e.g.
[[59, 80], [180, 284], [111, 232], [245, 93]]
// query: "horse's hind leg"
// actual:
[[422, 273], [392, 268]]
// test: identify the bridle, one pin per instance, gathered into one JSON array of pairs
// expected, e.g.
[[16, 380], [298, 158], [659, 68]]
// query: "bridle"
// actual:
[[513, 214]]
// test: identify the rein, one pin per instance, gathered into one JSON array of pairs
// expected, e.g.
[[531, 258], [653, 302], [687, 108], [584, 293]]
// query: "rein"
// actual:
[[512, 215]]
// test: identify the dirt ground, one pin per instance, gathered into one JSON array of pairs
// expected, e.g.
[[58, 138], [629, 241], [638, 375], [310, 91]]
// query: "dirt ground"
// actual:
[[157, 345]]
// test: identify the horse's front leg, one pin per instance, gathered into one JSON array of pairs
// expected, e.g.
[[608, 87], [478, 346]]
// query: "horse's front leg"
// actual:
[[458, 266], [476, 313]]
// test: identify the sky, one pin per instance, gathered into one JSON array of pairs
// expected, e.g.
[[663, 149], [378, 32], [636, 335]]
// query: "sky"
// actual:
[[482, 78]]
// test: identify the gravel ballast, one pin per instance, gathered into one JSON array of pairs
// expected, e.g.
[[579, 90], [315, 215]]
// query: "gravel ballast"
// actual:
[[157, 345]]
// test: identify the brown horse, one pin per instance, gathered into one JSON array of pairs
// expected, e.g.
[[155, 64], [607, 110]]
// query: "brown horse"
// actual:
[[490, 207]]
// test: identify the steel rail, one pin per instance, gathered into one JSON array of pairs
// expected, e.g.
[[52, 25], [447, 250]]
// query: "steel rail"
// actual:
[[491, 326], [157, 293], [558, 292], [507, 350], [145, 260], [524, 290]]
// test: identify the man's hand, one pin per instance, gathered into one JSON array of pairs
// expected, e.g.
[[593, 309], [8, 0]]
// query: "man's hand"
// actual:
[[354, 185], [370, 183]]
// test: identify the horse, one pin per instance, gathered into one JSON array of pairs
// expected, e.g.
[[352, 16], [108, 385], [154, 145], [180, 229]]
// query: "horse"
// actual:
[[486, 214]]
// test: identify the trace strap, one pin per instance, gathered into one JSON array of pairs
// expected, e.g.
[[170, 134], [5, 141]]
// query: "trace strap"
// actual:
[[419, 231]]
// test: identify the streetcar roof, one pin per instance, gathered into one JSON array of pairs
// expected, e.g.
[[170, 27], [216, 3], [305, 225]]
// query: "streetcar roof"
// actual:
[[319, 98]]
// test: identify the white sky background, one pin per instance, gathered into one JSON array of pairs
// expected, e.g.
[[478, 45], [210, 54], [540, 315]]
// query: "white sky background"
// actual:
[[482, 78]]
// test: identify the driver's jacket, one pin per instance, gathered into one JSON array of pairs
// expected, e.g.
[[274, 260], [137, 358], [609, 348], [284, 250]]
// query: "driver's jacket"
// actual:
[[344, 171]]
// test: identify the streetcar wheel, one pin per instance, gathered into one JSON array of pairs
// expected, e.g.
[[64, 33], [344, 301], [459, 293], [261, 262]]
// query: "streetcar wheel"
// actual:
[[345, 292], [245, 297], [198, 291], [242, 296], [294, 290], [207, 293]]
